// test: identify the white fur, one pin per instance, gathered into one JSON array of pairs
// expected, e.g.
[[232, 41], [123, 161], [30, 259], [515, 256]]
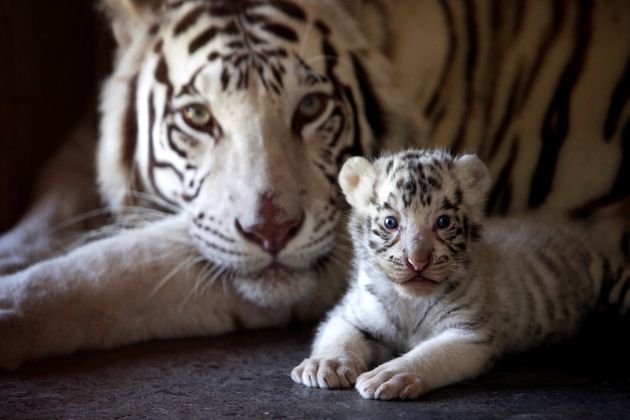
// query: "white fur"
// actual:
[[500, 303]]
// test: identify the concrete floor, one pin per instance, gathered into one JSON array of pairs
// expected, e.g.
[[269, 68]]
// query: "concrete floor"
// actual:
[[246, 375]]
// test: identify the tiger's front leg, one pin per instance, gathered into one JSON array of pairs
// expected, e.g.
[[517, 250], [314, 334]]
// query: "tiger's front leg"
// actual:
[[446, 359], [340, 354], [137, 285]]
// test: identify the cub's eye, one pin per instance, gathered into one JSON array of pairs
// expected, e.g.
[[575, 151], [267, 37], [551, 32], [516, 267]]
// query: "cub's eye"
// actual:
[[390, 222], [196, 115], [311, 107], [443, 222]]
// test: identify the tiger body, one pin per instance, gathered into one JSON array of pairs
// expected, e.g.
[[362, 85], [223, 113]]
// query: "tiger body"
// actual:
[[435, 302], [223, 128]]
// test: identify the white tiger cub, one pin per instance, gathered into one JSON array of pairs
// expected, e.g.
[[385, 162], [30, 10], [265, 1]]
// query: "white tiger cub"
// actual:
[[432, 291]]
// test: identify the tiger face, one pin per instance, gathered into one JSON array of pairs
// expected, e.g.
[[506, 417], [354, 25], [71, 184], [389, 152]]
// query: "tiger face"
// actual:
[[239, 114], [416, 215]]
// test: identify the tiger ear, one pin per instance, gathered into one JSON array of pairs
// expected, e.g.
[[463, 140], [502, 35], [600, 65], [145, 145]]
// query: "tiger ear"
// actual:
[[474, 177], [356, 179], [129, 17]]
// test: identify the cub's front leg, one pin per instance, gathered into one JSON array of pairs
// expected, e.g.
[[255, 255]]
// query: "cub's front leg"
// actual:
[[340, 354], [110, 292], [445, 359]]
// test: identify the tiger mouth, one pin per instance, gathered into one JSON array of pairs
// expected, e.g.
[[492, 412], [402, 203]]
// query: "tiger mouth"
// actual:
[[419, 279], [274, 272]]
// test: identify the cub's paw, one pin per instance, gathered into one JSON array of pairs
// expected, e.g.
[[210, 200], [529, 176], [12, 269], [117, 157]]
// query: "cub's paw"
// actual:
[[387, 383], [329, 373]]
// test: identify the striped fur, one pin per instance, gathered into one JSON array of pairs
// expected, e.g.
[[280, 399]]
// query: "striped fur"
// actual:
[[520, 83], [250, 66], [538, 89], [516, 285]]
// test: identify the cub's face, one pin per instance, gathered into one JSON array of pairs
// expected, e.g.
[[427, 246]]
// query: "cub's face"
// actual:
[[240, 114], [416, 215]]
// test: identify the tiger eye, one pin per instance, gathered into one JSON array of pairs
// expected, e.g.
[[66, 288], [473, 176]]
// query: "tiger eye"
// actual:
[[196, 115], [443, 222], [390, 223], [311, 107]]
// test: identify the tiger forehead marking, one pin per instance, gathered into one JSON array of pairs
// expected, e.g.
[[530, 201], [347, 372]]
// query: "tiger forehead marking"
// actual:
[[255, 34], [417, 176], [243, 112]]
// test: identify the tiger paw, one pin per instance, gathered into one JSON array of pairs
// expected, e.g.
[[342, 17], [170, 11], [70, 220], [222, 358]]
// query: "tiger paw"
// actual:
[[328, 373], [386, 383]]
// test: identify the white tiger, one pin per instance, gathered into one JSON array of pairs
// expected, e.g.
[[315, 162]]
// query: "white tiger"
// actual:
[[224, 125], [438, 294]]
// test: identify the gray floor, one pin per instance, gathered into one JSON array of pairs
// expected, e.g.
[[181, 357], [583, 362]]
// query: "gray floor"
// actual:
[[246, 375]]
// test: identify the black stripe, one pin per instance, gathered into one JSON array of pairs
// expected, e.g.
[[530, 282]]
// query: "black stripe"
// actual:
[[452, 48], [130, 126], [190, 197], [372, 106], [469, 73], [500, 197], [153, 162], [556, 123], [508, 115], [288, 8], [188, 20], [618, 102], [202, 39], [281, 31]]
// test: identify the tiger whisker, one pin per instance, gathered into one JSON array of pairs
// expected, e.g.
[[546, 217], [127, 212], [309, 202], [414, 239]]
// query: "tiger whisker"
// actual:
[[183, 265]]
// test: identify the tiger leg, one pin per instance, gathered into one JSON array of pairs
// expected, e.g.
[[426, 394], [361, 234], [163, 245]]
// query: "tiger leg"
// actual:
[[443, 360], [138, 285]]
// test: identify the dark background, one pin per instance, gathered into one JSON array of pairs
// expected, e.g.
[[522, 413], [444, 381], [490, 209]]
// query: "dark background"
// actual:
[[52, 57]]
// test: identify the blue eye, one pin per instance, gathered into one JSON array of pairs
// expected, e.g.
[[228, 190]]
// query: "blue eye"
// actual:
[[443, 222], [390, 222]]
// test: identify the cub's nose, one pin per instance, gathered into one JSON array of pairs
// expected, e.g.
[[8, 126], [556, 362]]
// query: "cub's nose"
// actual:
[[271, 231], [419, 258], [416, 264]]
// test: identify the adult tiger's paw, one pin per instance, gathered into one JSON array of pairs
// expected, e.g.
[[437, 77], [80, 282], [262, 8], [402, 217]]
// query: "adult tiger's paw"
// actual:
[[329, 373], [387, 382]]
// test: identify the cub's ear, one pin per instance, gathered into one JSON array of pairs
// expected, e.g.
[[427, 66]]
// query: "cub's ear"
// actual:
[[474, 177], [128, 17], [356, 179]]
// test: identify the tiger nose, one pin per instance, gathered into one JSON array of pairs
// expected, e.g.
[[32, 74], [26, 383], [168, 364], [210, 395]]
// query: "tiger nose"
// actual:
[[419, 259], [272, 232]]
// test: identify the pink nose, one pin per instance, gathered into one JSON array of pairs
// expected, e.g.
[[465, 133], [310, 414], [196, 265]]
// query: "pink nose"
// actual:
[[417, 264], [272, 232], [419, 258]]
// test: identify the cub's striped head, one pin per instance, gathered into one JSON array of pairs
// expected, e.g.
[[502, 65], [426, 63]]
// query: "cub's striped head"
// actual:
[[416, 214], [240, 113]]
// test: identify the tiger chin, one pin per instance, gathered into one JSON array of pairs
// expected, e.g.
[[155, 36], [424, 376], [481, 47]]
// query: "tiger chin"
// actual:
[[223, 127]]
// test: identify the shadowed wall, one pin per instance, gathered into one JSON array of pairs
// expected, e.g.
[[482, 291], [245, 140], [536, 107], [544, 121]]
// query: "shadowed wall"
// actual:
[[48, 78]]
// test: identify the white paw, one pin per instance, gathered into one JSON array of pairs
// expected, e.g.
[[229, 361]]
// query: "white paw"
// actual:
[[328, 373], [389, 383]]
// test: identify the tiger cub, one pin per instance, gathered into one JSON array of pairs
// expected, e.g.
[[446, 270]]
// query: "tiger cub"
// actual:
[[433, 300]]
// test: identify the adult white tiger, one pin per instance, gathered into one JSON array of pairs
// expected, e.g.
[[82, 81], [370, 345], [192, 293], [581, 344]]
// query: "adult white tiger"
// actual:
[[236, 115]]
